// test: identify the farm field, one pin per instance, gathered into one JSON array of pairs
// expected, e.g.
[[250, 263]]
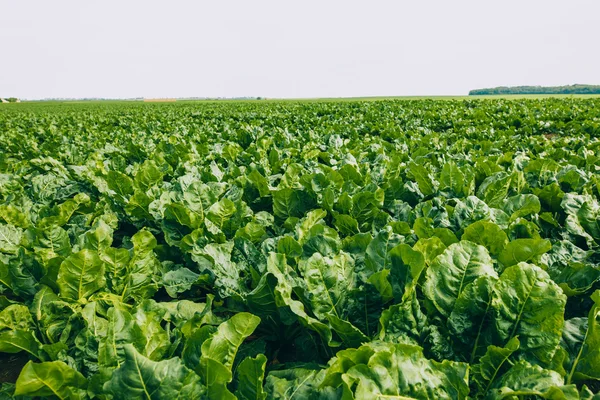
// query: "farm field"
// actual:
[[399, 248]]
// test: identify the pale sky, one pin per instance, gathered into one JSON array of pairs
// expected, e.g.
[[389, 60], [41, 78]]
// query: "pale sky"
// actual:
[[289, 49]]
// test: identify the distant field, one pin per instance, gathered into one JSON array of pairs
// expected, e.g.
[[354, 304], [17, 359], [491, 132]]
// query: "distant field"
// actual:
[[324, 99]]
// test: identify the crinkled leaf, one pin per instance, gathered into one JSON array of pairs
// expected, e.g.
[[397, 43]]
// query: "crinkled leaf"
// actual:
[[450, 272]]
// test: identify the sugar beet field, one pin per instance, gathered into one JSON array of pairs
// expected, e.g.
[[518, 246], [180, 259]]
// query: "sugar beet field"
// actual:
[[393, 249]]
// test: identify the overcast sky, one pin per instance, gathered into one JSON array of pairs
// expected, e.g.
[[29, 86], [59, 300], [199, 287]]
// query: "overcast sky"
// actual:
[[135, 48]]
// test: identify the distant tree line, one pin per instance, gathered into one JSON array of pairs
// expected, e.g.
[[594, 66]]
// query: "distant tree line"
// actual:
[[572, 89]]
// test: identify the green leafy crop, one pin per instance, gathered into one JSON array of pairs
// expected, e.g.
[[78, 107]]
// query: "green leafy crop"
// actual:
[[300, 250]]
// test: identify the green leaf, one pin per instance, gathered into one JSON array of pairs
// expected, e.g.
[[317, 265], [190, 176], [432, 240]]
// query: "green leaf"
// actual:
[[289, 246], [13, 216], [120, 183], [121, 332], [141, 378], [179, 281], [452, 179], [10, 237], [401, 371], [218, 352], [216, 260], [430, 248], [350, 335], [523, 250], [295, 384], [471, 318], [307, 223], [148, 175], [382, 284], [224, 343], [524, 379], [80, 275], [377, 256], [528, 304], [522, 205], [250, 375], [406, 267], [328, 282], [17, 331], [16, 341], [220, 212], [589, 218], [290, 203], [581, 339], [487, 234], [449, 274], [404, 322], [423, 178], [347, 225], [282, 293], [50, 379], [493, 365], [494, 188]]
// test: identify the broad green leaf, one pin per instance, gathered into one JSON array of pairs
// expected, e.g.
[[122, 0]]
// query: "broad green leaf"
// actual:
[[216, 260], [140, 378], [523, 250], [178, 281], [494, 188], [581, 339], [382, 284], [406, 267], [224, 343], [493, 365], [99, 238], [307, 223], [50, 379], [148, 175], [5, 278], [328, 282], [15, 341], [471, 318], [80, 275], [427, 184], [283, 295], [452, 179], [589, 218], [290, 203], [401, 371], [297, 383], [16, 317], [289, 246], [528, 304], [10, 237], [522, 205], [63, 212], [42, 299], [377, 256], [122, 331], [347, 225], [404, 322], [120, 183], [487, 234], [451, 271], [250, 375], [430, 248], [13, 216], [220, 212], [524, 379], [349, 334], [218, 353]]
